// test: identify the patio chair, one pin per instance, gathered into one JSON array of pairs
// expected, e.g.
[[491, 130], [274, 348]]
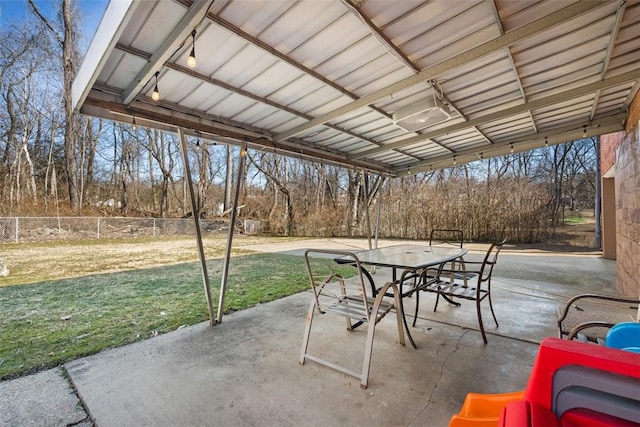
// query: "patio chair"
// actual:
[[438, 237], [335, 295], [443, 237], [470, 281], [446, 238], [588, 317]]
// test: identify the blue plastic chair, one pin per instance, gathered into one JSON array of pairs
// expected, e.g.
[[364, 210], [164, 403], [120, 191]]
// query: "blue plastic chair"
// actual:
[[624, 336]]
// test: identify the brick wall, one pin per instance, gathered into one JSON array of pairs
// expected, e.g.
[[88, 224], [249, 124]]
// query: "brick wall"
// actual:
[[608, 145], [627, 185]]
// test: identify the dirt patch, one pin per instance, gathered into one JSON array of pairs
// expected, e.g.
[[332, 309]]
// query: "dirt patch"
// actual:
[[575, 235], [36, 262], [569, 238]]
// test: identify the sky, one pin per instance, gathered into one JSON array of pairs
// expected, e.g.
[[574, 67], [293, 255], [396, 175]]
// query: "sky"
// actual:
[[91, 10]]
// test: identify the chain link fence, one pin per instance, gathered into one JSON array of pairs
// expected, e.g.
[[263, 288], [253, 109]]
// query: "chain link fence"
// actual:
[[33, 229]]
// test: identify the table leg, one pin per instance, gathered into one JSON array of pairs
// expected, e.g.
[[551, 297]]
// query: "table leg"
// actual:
[[404, 320], [394, 276]]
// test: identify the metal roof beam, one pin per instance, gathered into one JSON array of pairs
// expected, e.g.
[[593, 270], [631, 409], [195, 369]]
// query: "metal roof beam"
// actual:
[[380, 36], [558, 17], [494, 9], [612, 44], [167, 116], [180, 32], [518, 109]]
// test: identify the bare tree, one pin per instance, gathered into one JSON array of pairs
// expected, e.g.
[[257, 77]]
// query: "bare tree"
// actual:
[[23, 116], [275, 168], [164, 150], [88, 147], [204, 175], [66, 37]]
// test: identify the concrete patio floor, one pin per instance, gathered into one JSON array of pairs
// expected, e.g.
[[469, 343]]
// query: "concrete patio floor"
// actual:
[[245, 371]]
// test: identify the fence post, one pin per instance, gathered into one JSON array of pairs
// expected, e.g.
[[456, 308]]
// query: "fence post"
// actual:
[[98, 228], [17, 236]]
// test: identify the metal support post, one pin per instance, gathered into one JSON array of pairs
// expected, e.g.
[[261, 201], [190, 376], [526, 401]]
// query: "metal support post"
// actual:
[[232, 222], [378, 203], [365, 193], [196, 222]]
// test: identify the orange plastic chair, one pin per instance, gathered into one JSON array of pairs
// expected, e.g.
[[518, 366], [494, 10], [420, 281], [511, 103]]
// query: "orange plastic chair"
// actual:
[[483, 410]]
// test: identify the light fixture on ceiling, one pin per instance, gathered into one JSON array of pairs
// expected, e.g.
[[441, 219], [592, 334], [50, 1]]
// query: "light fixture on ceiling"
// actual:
[[546, 141], [191, 62], [156, 95], [455, 162], [422, 114], [584, 131], [511, 149], [134, 126]]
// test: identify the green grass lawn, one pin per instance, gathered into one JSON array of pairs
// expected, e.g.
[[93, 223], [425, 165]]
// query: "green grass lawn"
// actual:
[[571, 220], [49, 323]]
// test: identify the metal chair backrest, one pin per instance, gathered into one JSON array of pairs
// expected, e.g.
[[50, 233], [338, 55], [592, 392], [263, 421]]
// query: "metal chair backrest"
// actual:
[[332, 292], [441, 236], [489, 261]]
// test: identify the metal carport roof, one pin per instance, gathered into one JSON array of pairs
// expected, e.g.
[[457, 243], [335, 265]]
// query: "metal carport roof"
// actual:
[[325, 79]]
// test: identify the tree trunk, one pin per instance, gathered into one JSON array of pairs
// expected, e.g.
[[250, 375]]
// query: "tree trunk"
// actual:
[[67, 42], [69, 57], [228, 182], [354, 202], [204, 179]]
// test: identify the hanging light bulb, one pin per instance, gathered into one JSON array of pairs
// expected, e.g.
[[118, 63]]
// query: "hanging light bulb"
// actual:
[[546, 141], [156, 95], [455, 162], [511, 150], [191, 62], [584, 131], [134, 126]]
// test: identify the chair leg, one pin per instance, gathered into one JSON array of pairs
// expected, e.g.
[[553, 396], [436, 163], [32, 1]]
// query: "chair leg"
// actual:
[[484, 336], [366, 364], [491, 307], [307, 331], [435, 307], [415, 313], [400, 319], [349, 325]]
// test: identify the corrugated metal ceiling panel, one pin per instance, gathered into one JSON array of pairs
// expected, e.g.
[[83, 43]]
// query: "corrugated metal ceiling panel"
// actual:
[[329, 74]]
